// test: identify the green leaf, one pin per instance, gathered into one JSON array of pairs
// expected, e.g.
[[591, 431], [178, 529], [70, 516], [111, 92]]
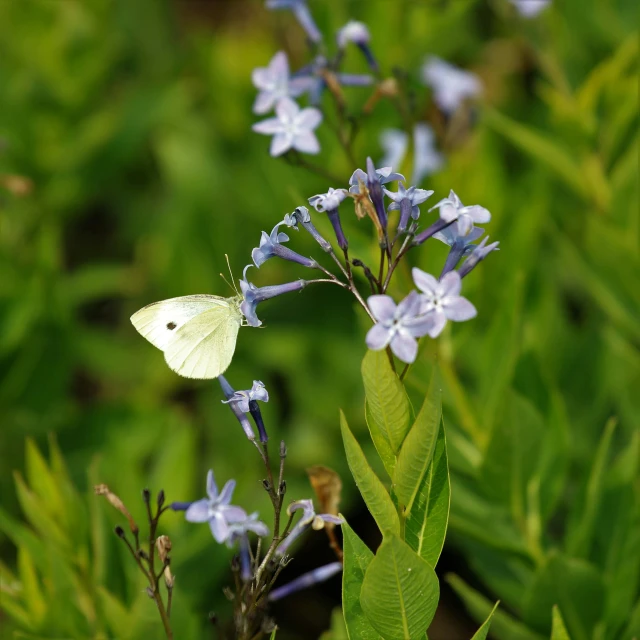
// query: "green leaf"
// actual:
[[426, 524], [558, 630], [31, 592], [541, 148], [503, 625], [482, 632], [580, 536], [357, 557], [382, 446], [418, 447], [400, 591], [575, 586], [389, 408], [375, 495]]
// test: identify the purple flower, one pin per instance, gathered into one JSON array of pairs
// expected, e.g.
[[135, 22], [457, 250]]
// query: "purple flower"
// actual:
[[450, 84], [216, 509], [441, 300], [254, 295], [398, 326], [407, 201], [270, 246], [238, 532], [383, 175], [479, 253], [460, 245], [530, 8], [241, 399], [274, 84], [451, 208], [358, 33], [329, 203], [301, 216], [229, 392], [306, 580], [309, 518], [303, 15], [292, 128], [426, 158]]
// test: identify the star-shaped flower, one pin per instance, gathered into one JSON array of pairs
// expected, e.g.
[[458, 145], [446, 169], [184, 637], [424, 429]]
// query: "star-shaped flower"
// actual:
[[241, 399], [407, 201], [451, 85], [216, 509], [451, 208], [328, 201], [441, 300], [274, 84], [398, 326], [292, 128]]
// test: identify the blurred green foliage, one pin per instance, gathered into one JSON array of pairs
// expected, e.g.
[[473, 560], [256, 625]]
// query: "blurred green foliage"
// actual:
[[128, 170]]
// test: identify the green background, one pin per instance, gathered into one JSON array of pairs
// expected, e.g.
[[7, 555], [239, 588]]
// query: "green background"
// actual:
[[128, 169]]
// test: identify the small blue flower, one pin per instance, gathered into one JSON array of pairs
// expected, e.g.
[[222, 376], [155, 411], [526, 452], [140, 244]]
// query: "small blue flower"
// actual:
[[530, 8], [306, 580], [397, 326], [241, 399], [216, 509], [407, 201], [238, 532], [292, 128], [479, 253], [254, 295], [309, 518], [329, 203], [303, 15], [229, 393], [301, 216], [274, 84], [451, 85], [451, 208], [460, 245], [441, 299], [271, 245], [358, 33]]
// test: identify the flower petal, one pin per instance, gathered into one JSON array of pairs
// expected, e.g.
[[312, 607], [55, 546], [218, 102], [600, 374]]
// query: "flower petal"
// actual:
[[465, 225], [263, 103], [382, 307], [279, 66], [306, 142], [424, 281], [309, 118], [404, 347], [287, 110], [439, 321], [227, 492], [459, 308], [280, 144], [262, 78], [268, 127], [378, 337], [409, 306], [198, 511], [450, 284], [259, 392], [219, 527], [212, 487], [233, 514], [478, 213]]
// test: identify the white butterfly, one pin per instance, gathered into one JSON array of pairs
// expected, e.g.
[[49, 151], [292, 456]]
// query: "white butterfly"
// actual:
[[196, 333]]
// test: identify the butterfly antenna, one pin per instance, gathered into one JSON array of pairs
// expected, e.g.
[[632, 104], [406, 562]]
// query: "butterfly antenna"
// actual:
[[231, 274]]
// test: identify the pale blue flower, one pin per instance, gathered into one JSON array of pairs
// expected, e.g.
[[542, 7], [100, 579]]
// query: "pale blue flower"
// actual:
[[329, 203], [241, 399], [229, 392], [274, 84], [407, 201], [239, 532], [358, 34], [451, 208], [301, 216], [306, 580], [216, 509], [394, 143], [460, 245], [479, 253], [397, 326], [271, 245], [530, 8], [309, 518], [254, 295], [450, 84], [292, 128], [440, 299], [301, 11]]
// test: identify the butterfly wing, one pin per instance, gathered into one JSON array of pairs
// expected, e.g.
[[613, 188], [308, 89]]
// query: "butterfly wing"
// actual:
[[203, 346], [197, 333]]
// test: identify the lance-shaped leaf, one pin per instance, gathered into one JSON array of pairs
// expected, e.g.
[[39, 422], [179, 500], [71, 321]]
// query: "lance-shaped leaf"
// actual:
[[388, 405], [357, 557], [375, 495], [482, 632], [400, 591], [419, 445], [558, 630], [426, 524]]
